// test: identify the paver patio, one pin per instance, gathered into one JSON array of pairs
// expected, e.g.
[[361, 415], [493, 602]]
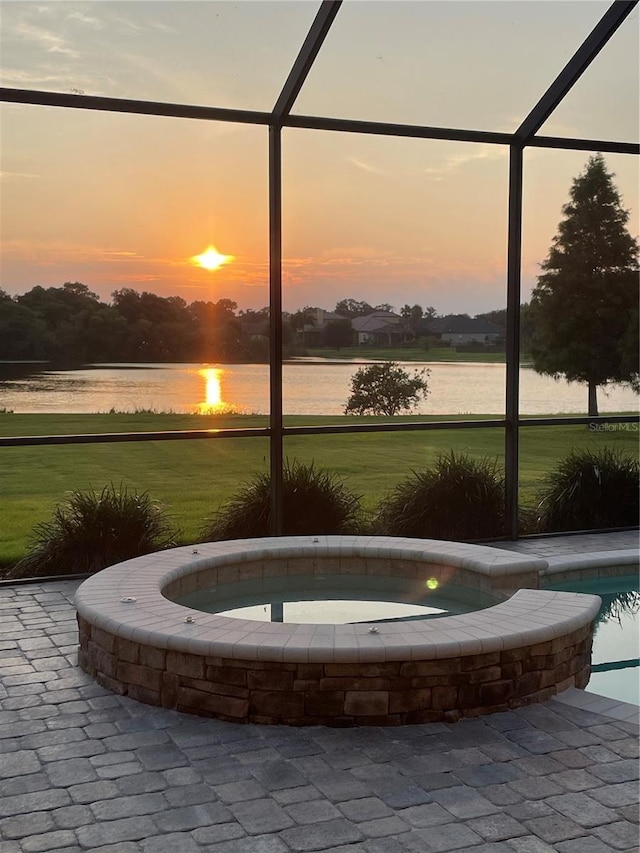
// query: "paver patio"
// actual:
[[82, 769]]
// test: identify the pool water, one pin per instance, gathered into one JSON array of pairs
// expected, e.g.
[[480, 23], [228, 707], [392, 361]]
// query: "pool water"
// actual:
[[616, 644], [339, 599]]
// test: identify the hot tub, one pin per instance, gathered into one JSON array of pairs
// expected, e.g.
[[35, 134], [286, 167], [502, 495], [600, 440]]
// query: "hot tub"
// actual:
[[137, 640]]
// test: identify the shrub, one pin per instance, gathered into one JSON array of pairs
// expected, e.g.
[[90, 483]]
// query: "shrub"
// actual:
[[588, 490], [314, 501], [458, 498], [386, 389], [92, 530]]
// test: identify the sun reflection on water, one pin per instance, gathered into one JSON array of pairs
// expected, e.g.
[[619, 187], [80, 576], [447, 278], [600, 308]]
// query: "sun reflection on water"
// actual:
[[213, 403]]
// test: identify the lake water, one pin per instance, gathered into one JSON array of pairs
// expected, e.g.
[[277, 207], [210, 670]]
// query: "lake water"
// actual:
[[314, 388]]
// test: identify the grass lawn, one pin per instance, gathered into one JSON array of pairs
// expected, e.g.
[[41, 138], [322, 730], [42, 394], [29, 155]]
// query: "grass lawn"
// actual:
[[408, 354], [191, 478]]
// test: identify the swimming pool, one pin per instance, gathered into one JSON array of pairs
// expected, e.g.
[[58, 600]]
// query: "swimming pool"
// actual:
[[615, 670]]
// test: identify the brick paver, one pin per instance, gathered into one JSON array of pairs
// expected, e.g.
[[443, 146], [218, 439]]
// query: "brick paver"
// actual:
[[84, 770]]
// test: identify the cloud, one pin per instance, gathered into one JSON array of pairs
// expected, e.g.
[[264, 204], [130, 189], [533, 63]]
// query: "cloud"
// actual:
[[455, 162], [357, 253], [49, 41], [355, 264], [129, 25], [366, 167], [60, 252], [21, 79], [8, 175], [133, 277], [114, 255], [557, 127], [163, 28], [81, 18], [448, 165], [132, 27]]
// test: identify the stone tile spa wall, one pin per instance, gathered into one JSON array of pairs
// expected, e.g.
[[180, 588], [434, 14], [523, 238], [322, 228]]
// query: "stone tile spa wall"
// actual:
[[523, 650], [337, 694]]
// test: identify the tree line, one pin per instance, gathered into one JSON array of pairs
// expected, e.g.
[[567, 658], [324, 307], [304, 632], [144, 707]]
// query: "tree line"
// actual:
[[71, 325]]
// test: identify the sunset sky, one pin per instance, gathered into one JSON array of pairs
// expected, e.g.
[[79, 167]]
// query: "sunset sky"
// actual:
[[126, 201]]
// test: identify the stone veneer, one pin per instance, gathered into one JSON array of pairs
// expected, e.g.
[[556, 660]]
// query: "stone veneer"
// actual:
[[135, 641]]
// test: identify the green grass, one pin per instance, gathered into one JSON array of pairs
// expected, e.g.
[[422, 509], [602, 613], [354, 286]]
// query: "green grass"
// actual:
[[192, 478], [407, 354]]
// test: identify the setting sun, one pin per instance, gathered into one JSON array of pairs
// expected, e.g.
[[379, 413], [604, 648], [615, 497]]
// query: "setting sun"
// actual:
[[211, 259]]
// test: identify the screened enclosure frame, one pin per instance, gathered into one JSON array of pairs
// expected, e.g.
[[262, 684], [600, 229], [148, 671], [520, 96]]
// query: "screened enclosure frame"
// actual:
[[279, 118]]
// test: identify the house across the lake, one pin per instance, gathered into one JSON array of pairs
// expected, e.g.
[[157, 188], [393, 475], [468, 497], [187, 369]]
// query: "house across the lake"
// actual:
[[388, 329], [312, 333], [465, 330], [381, 328]]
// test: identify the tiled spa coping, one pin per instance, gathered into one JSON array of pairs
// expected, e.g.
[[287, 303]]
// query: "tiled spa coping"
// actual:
[[598, 564], [529, 616], [524, 649]]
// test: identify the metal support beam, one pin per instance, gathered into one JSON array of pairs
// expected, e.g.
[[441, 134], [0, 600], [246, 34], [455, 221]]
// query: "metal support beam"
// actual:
[[512, 391], [338, 125], [571, 144], [577, 65], [275, 326], [134, 107], [308, 52], [298, 74], [411, 131]]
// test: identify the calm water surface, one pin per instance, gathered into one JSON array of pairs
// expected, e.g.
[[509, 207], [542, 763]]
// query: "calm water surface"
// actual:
[[314, 388], [616, 643]]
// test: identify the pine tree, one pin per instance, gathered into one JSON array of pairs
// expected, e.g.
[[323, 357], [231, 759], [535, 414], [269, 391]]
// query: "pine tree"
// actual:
[[585, 304]]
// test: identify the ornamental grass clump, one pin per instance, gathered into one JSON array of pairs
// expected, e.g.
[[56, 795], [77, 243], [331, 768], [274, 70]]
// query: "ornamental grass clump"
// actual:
[[589, 490], [314, 501], [92, 530], [459, 498]]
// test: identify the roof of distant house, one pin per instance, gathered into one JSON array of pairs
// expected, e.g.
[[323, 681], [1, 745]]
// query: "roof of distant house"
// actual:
[[378, 321], [320, 318]]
